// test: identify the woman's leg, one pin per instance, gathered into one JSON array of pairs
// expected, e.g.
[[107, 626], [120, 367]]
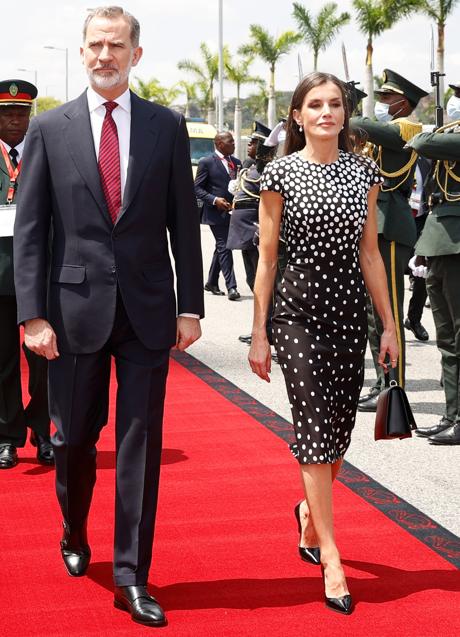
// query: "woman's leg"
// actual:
[[308, 536], [317, 480]]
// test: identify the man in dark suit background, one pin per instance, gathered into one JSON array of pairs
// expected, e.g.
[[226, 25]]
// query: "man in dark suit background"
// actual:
[[211, 186], [16, 97], [111, 173]]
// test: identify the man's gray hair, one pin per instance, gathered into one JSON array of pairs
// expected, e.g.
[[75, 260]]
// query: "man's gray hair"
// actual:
[[112, 12]]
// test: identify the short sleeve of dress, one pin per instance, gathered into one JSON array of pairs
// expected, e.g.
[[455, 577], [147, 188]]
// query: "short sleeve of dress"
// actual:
[[273, 178], [374, 174]]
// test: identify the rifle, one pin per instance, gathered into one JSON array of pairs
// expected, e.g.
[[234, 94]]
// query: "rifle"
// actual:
[[435, 77]]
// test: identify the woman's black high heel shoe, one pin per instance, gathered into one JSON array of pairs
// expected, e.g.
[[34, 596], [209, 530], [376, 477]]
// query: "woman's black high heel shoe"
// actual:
[[307, 553], [343, 604]]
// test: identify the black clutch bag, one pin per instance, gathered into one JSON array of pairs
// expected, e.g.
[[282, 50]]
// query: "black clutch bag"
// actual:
[[394, 417]]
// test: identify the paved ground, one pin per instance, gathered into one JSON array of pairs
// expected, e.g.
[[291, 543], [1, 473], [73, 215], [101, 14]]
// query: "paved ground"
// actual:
[[427, 476]]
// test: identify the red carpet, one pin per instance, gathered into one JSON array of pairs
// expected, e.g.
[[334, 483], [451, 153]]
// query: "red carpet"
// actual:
[[225, 562]]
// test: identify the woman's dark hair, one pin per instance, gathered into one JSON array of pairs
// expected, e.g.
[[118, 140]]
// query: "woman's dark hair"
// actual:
[[295, 140]]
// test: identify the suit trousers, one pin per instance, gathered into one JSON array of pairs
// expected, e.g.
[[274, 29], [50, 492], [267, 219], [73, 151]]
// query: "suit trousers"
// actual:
[[14, 417], [222, 259], [395, 259], [79, 399], [442, 286]]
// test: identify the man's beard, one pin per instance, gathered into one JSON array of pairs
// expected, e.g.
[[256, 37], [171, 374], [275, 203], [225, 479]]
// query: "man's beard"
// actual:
[[105, 81]]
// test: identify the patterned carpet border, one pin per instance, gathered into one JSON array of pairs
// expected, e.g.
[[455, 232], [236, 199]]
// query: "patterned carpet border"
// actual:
[[432, 534]]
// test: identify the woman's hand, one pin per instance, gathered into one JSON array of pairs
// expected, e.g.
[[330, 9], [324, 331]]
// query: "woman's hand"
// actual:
[[260, 356], [388, 345]]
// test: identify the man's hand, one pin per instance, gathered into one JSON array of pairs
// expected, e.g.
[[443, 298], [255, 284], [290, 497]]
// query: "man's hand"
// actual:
[[222, 204], [188, 331], [40, 338]]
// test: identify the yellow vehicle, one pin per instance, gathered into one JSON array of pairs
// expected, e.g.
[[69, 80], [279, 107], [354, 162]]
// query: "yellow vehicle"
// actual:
[[201, 141]]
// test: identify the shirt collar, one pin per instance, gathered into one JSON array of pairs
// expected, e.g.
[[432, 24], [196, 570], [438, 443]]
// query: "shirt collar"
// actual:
[[219, 154], [95, 100], [19, 147]]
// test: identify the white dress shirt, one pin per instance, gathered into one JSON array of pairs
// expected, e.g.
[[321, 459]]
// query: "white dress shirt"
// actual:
[[19, 148], [122, 118]]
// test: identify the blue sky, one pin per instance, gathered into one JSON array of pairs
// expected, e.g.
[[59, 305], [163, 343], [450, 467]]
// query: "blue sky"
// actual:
[[173, 29]]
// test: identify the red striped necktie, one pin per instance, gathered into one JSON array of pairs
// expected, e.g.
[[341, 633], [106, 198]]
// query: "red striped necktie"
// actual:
[[109, 162]]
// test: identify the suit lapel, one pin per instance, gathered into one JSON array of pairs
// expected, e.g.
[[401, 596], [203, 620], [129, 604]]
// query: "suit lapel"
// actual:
[[144, 137], [79, 137], [220, 163]]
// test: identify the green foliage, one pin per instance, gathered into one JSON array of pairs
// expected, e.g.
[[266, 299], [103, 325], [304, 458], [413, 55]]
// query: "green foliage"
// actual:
[[376, 16], [238, 73], [46, 104], [438, 10], [153, 91], [318, 32], [205, 74], [267, 47]]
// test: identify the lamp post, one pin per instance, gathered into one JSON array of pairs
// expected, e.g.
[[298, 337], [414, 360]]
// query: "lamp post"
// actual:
[[34, 71], [220, 118], [66, 51]]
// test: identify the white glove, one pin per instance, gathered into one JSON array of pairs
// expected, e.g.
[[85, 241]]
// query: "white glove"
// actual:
[[418, 270]]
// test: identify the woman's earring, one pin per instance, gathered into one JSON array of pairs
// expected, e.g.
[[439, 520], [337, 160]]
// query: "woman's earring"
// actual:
[[300, 128]]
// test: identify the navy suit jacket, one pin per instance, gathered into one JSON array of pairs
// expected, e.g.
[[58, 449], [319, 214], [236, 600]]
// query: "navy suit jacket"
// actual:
[[212, 181], [90, 257]]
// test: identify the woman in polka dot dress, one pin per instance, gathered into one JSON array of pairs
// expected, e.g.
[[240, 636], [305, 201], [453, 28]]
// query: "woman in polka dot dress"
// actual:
[[325, 195]]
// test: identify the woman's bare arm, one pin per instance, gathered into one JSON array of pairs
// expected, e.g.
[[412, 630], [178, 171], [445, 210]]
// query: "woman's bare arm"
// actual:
[[270, 209], [375, 279]]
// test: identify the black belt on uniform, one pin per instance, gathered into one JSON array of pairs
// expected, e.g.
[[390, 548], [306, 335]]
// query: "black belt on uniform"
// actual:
[[245, 204]]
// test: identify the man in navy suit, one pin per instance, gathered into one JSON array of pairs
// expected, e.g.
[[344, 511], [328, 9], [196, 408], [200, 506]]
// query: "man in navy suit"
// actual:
[[110, 173], [211, 186]]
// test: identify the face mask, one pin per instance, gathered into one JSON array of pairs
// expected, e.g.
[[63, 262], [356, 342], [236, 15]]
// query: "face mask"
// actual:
[[453, 107], [381, 112]]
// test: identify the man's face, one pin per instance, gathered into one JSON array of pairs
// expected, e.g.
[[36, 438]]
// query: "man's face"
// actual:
[[226, 144], [108, 53], [14, 122], [399, 105]]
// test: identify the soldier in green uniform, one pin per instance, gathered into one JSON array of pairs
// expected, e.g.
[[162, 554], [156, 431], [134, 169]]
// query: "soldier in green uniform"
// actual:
[[396, 226], [439, 243], [16, 98]]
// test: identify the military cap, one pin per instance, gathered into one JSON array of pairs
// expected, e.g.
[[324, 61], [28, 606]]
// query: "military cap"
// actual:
[[260, 131], [354, 95], [395, 83], [17, 93]]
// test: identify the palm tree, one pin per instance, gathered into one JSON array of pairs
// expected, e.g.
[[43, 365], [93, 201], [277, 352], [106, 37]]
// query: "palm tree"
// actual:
[[189, 91], [205, 76], [269, 49], [374, 17], [319, 32], [152, 90], [238, 74], [439, 11]]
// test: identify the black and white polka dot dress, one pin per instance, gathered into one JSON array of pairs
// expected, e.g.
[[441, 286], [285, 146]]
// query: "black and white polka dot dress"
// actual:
[[319, 323]]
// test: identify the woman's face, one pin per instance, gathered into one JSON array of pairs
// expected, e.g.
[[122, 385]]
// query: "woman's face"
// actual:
[[322, 114]]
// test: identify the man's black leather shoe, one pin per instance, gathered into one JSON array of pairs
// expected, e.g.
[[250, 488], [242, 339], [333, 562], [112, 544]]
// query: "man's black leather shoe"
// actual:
[[374, 391], [45, 453], [370, 404], [143, 607], [442, 425], [75, 550], [8, 456], [417, 329], [214, 289], [450, 436], [246, 338], [233, 294]]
